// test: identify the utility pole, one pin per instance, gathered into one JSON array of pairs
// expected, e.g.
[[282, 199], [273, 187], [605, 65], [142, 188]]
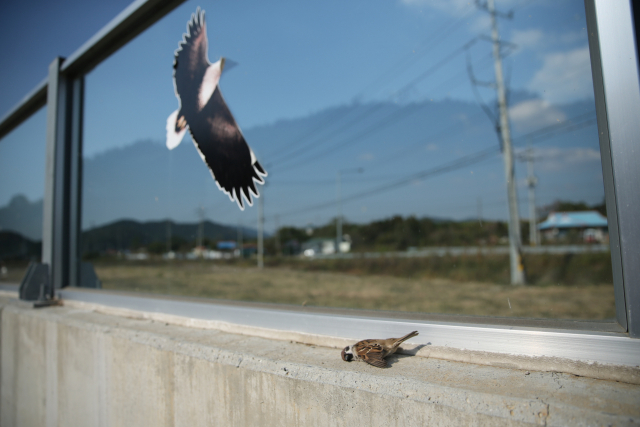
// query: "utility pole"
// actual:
[[339, 203], [240, 244], [278, 249], [260, 230], [515, 241], [339, 217], [532, 181], [168, 235], [200, 238]]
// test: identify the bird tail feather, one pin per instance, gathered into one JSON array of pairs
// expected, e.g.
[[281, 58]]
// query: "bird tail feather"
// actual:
[[406, 337]]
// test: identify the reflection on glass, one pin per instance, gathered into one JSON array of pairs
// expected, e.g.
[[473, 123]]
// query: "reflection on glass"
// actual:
[[22, 154], [382, 133]]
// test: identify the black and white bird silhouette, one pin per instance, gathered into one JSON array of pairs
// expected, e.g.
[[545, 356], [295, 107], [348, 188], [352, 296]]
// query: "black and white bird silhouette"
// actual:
[[203, 111]]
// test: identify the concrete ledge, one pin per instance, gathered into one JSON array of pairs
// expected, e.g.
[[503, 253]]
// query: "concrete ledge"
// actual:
[[69, 366], [571, 351]]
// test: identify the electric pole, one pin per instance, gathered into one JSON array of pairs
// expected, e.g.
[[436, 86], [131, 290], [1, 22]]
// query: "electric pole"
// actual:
[[168, 235], [339, 217], [278, 249], [260, 231], [200, 238], [532, 181], [339, 203], [515, 241], [240, 244]]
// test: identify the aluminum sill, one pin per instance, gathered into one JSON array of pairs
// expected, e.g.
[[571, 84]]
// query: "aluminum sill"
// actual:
[[580, 345]]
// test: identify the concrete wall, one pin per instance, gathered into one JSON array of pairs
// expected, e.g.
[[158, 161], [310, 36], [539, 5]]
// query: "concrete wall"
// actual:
[[71, 367]]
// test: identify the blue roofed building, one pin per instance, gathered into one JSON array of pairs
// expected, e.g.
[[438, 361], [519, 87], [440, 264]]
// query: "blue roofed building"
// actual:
[[590, 226]]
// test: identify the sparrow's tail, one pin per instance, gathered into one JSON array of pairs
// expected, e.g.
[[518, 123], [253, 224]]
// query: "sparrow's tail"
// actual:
[[404, 338]]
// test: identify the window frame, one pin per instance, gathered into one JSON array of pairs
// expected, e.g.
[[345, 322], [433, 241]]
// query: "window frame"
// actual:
[[614, 63]]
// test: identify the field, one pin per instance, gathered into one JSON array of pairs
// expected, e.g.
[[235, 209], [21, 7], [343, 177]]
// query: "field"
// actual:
[[563, 287]]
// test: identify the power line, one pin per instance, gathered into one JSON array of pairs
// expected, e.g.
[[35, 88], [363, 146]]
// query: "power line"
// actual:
[[431, 41], [365, 114], [451, 130], [456, 164], [545, 133], [459, 163], [441, 33], [332, 182]]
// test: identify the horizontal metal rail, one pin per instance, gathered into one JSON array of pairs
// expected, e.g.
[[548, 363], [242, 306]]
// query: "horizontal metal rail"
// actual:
[[35, 100], [137, 17]]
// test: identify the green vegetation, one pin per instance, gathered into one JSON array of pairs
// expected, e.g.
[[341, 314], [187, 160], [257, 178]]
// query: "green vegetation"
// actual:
[[399, 234], [390, 234], [541, 270], [561, 286], [577, 286], [327, 283]]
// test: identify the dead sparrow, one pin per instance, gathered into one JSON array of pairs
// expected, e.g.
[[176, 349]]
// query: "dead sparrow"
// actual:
[[374, 351]]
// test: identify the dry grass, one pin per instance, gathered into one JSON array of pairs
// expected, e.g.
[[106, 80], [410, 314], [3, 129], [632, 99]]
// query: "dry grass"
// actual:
[[318, 288], [15, 272], [417, 293]]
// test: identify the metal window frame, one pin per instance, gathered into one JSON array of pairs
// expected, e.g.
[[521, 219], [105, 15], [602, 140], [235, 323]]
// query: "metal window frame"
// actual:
[[617, 95], [614, 63]]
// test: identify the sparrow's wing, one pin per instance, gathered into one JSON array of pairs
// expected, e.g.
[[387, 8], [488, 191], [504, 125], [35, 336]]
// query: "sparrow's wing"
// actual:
[[371, 352], [191, 62], [375, 359], [224, 149]]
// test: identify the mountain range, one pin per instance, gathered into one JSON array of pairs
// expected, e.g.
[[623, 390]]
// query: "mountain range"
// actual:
[[369, 145], [128, 234], [125, 235], [23, 217]]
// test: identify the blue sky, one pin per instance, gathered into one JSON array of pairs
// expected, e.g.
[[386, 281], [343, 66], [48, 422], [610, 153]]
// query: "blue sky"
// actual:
[[301, 58]]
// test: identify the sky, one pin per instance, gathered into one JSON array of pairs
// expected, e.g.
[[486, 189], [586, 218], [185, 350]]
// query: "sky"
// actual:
[[300, 59]]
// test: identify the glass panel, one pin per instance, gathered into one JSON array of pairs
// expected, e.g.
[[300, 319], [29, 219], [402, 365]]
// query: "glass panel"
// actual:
[[381, 130], [22, 154]]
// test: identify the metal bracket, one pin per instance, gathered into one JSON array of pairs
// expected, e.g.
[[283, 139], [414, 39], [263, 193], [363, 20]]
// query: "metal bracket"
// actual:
[[88, 276], [36, 286]]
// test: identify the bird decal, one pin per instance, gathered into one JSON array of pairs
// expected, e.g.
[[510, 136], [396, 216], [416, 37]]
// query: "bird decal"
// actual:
[[205, 114]]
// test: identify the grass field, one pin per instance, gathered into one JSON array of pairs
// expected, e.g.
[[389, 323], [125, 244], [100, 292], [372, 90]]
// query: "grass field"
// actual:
[[564, 288]]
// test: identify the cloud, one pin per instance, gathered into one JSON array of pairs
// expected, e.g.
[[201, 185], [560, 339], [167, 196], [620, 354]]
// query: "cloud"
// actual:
[[481, 24], [564, 76], [454, 7], [367, 157], [559, 159], [451, 7], [527, 39], [534, 114], [541, 40], [572, 37]]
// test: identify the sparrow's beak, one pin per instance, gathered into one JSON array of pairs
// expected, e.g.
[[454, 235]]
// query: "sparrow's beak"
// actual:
[[345, 356], [221, 64]]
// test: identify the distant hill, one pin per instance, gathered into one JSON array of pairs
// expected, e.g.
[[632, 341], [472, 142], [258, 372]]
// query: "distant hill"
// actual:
[[144, 181], [23, 217], [21, 232], [129, 234], [14, 246]]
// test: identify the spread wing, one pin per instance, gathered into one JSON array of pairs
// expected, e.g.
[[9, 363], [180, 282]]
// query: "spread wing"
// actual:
[[371, 352], [224, 149], [191, 62]]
